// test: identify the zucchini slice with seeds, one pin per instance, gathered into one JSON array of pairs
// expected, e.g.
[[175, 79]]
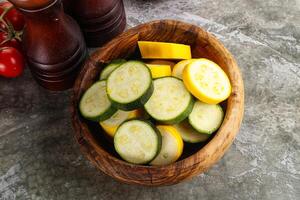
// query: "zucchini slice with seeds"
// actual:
[[110, 68], [137, 141], [95, 105], [189, 134], [130, 86], [170, 103], [206, 118]]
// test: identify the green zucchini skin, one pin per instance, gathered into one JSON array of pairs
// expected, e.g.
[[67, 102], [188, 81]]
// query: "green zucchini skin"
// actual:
[[159, 138], [189, 134], [110, 68], [183, 115], [198, 127], [158, 135], [108, 114], [178, 118], [110, 111], [140, 101]]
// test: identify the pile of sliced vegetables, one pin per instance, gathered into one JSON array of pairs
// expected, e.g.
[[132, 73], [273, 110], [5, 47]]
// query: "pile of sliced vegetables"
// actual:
[[150, 108]]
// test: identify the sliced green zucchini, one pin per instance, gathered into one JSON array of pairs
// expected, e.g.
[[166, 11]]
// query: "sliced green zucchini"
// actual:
[[95, 105], [130, 86], [206, 118], [110, 68], [137, 141], [189, 134], [170, 102]]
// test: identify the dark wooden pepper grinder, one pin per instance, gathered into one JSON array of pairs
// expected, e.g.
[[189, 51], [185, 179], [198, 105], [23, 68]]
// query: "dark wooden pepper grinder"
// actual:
[[68, 6], [53, 43], [100, 20]]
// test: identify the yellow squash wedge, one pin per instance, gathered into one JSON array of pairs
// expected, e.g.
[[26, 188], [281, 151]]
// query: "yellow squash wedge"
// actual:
[[159, 71], [163, 50]]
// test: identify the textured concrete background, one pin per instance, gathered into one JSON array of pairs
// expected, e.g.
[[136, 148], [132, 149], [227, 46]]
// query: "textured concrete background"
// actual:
[[40, 160]]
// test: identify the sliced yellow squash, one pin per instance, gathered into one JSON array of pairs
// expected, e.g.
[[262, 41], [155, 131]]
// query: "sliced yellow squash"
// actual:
[[111, 125], [163, 50], [172, 146], [179, 67], [207, 81], [159, 71]]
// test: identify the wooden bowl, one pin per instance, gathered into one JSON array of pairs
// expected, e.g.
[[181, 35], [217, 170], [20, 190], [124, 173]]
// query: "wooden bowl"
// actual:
[[197, 158]]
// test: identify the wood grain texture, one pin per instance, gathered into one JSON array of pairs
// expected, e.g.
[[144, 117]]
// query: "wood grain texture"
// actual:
[[203, 45]]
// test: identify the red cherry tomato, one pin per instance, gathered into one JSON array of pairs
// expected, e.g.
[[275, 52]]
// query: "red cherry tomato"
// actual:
[[13, 16], [3, 27], [11, 62], [5, 41]]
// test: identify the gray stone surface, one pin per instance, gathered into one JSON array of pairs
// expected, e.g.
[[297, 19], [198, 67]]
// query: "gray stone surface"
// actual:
[[39, 159]]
